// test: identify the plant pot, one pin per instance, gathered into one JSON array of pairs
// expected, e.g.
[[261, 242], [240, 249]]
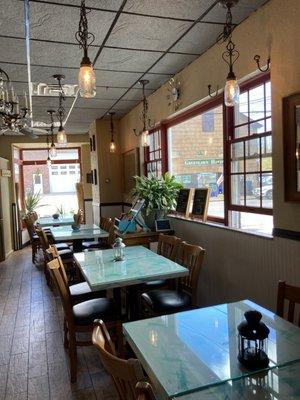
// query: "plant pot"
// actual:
[[75, 227], [152, 216], [55, 216]]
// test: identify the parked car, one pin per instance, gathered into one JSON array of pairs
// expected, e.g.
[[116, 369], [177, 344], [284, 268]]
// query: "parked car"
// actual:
[[266, 191]]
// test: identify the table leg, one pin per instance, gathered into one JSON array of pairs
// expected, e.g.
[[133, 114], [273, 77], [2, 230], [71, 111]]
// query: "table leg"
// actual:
[[77, 245]]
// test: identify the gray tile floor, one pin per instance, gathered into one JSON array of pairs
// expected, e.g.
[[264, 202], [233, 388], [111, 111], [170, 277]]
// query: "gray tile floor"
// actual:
[[33, 361]]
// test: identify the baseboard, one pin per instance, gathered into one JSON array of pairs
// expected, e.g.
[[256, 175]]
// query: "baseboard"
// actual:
[[9, 253], [25, 244], [284, 233]]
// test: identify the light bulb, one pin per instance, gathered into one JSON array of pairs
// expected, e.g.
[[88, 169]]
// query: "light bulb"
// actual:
[[145, 139], [112, 146], [61, 136], [231, 92], [48, 162], [87, 79], [53, 151]]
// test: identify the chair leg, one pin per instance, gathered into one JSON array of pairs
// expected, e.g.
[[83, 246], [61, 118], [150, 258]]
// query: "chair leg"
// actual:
[[73, 357], [120, 340], [66, 331]]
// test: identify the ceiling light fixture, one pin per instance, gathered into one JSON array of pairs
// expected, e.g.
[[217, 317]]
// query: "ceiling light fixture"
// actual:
[[112, 145], [144, 116], [53, 151], [48, 161], [61, 134], [86, 77], [268, 66], [230, 56]]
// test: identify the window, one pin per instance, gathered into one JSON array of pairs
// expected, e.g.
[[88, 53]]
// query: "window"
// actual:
[[196, 158], [208, 121], [250, 169], [230, 151], [153, 154]]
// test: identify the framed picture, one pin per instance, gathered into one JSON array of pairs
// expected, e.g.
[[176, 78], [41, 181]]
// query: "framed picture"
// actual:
[[131, 167], [291, 146]]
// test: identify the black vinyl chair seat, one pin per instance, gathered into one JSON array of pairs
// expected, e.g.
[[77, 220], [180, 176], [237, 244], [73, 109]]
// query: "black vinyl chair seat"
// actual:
[[91, 245], [65, 254], [166, 301], [85, 313], [154, 284], [35, 237], [82, 292], [62, 246]]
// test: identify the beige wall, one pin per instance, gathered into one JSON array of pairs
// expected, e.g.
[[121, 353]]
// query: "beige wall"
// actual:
[[85, 168], [274, 27]]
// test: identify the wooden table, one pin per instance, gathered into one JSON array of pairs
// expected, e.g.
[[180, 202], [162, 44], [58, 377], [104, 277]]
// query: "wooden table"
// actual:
[[189, 352], [142, 238]]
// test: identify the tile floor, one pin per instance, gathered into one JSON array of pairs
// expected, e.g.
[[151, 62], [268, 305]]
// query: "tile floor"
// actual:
[[33, 361]]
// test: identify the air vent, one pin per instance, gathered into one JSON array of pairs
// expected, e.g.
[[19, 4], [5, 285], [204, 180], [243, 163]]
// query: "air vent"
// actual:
[[44, 89]]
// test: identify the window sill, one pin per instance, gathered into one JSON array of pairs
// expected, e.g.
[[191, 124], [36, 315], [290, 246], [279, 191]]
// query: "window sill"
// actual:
[[222, 226]]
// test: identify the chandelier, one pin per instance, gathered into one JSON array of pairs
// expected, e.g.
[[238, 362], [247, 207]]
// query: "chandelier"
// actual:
[[86, 77], [13, 118], [144, 133], [230, 56], [112, 145], [61, 134]]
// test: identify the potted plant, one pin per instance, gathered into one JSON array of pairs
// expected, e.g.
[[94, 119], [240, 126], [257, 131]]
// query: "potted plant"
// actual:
[[32, 201], [160, 195], [59, 211]]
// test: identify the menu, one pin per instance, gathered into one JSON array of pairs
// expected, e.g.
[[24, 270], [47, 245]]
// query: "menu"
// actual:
[[200, 203], [183, 201]]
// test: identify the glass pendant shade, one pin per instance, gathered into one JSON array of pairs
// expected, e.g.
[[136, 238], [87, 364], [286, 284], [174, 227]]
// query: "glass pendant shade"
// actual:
[[231, 92], [145, 139], [48, 162], [87, 79], [112, 146], [61, 136], [53, 151]]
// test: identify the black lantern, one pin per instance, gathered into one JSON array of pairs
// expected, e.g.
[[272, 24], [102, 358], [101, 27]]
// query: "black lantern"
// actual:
[[253, 338]]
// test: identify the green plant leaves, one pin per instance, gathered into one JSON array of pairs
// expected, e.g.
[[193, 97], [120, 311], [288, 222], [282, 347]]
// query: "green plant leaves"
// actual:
[[158, 193]]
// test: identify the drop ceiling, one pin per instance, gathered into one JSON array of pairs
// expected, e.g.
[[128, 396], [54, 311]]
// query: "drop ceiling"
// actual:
[[134, 39]]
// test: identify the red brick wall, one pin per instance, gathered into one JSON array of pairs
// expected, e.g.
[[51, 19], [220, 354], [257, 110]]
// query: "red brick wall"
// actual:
[[30, 170]]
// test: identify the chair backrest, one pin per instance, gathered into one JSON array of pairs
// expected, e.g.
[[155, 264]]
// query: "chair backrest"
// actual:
[[125, 373], [30, 227], [59, 278], [104, 223], [43, 239], [291, 295], [53, 254], [111, 232], [78, 218], [144, 391], [191, 256], [168, 246]]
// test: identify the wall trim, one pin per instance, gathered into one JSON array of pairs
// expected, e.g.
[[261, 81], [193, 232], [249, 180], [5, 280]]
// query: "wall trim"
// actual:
[[25, 244], [286, 234]]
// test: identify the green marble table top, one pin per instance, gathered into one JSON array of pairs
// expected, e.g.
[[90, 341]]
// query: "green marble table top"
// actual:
[[49, 221], [85, 232], [140, 265], [197, 349]]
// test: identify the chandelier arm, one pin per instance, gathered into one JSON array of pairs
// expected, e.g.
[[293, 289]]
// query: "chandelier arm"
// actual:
[[5, 74], [83, 36], [210, 92]]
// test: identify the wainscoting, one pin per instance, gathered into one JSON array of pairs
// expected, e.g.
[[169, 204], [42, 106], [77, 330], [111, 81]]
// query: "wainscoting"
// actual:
[[240, 265]]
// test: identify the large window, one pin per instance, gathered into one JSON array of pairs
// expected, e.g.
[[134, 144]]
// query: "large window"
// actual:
[[57, 183], [230, 151], [196, 155]]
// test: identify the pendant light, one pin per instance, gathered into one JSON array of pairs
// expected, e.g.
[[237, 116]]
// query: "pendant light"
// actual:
[[86, 76], [53, 151], [61, 134], [145, 119], [230, 56], [48, 161], [112, 145]]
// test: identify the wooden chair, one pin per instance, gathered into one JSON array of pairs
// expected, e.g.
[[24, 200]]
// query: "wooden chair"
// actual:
[[291, 295], [125, 373], [33, 237], [144, 391], [158, 302], [108, 226], [80, 317]]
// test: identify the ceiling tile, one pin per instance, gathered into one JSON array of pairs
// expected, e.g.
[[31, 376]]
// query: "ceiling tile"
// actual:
[[190, 9], [11, 18], [241, 11], [103, 4], [136, 94], [138, 32], [57, 54], [47, 102], [155, 81], [109, 93], [199, 39], [172, 63], [13, 50], [126, 60], [54, 22], [93, 103]]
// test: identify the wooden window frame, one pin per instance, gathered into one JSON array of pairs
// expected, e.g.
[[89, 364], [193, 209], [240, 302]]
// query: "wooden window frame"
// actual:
[[228, 129], [163, 150]]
